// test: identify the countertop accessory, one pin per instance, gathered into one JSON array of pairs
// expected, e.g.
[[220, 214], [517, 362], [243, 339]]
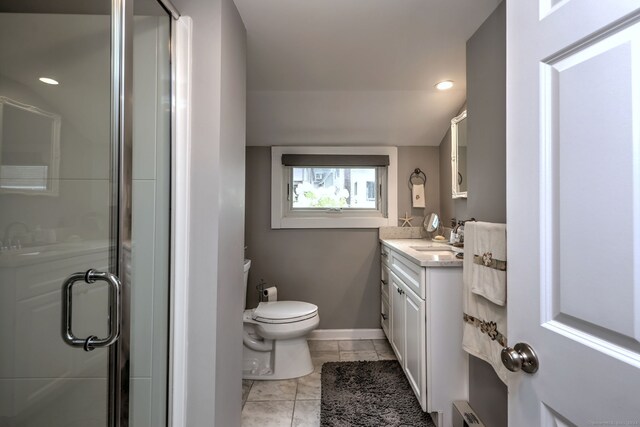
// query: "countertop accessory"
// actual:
[[432, 224], [406, 221]]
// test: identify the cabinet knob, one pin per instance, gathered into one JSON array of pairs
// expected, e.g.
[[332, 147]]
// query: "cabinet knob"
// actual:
[[384, 316], [385, 282]]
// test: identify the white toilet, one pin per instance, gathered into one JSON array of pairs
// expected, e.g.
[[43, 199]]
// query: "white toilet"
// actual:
[[274, 337]]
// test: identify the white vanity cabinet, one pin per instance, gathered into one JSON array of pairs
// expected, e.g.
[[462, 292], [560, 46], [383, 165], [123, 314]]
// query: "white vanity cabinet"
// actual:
[[422, 294]]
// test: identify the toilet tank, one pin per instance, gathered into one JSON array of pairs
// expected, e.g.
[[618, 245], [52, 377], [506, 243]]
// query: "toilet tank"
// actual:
[[247, 266]]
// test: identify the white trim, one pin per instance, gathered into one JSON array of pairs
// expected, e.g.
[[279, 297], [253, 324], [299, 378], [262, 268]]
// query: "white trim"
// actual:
[[181, 149], [347, 334], [455, 190], [279, 220]]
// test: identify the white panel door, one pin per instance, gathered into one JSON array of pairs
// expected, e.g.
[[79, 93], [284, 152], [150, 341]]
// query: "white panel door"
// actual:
[[397, 317], [573, 209], [415, 337]]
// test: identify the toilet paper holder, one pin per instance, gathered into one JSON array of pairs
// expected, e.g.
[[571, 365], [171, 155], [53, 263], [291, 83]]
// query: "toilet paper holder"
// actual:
[[260, 288], [266, 293]]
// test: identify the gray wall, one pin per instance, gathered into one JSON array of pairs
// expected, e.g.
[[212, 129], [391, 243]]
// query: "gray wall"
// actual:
[[486, 99], [336, 269], [214, 350], [425, 158], [231, 211]]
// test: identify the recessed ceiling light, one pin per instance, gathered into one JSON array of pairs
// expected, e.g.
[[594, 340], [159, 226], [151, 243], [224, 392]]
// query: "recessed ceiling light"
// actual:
[[444, 85], [48, 81]]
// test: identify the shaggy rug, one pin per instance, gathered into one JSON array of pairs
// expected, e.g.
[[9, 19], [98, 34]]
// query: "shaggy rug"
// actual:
[[368, 394]]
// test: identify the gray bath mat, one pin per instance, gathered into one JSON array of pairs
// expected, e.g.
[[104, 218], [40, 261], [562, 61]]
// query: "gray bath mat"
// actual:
[[369, 394]]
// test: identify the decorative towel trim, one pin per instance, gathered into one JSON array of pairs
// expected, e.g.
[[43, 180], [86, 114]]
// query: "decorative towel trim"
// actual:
[[487, 260], [489, 328]]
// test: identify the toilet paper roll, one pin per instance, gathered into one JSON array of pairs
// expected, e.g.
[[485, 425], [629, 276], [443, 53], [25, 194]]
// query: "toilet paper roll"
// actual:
[[270, 294]]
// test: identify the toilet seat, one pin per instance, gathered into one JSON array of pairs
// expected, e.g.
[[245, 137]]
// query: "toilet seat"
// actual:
[[284, 312]]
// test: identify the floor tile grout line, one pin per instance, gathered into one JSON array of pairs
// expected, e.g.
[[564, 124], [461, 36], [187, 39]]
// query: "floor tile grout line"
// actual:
[[293, 411], [295, 399], [248, 392]]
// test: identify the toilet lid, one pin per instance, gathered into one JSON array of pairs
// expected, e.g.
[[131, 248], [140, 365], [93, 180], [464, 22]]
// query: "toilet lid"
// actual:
[[284, 311]]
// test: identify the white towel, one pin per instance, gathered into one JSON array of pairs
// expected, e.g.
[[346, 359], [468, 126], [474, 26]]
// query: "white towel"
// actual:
[[485, 325], [417, 194], [490, 243]]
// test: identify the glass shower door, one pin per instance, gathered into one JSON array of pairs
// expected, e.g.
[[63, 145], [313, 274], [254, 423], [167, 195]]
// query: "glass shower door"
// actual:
[[56, 214]]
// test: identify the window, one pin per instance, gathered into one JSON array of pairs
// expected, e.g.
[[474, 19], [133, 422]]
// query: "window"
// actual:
[[371, 190], [333, 187]]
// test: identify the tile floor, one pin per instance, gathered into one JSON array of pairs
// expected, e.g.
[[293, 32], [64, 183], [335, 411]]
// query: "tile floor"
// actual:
[[296, 403]]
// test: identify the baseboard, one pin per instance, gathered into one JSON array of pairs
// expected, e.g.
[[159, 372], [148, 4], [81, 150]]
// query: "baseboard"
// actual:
[[347, 334]]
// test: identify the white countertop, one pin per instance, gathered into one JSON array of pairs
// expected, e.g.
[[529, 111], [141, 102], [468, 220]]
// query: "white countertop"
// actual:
[[432, 258]]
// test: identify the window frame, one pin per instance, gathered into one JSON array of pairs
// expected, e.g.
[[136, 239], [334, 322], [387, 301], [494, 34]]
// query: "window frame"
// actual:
[[283, 216]]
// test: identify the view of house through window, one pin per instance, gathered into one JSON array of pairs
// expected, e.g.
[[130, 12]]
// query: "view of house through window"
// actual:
[[334, 188]]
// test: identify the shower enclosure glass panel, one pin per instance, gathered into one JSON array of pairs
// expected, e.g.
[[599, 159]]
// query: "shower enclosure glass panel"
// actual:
[[55, 214], [57, 208]]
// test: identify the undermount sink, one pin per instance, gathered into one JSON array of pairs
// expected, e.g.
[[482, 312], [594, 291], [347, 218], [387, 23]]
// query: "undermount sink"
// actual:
[[430, 248]]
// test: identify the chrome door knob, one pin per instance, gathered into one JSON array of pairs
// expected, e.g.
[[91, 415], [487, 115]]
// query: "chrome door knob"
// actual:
[[520, 357]]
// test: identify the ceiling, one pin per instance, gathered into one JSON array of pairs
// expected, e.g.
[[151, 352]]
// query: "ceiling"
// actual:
[[356, 72], [358, 45]]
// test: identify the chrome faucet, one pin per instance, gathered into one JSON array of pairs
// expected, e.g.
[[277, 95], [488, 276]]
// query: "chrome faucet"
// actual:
[[458, 230]]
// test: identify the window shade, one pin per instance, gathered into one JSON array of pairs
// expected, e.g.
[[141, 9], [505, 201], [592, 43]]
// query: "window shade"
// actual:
[[334, 160]]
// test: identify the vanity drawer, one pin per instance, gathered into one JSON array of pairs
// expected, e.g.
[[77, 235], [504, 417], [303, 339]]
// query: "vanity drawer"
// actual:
[[385, 254], [409, 272]]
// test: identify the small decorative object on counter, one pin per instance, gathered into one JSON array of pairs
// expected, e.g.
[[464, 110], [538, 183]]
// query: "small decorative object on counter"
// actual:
[[406, 221]]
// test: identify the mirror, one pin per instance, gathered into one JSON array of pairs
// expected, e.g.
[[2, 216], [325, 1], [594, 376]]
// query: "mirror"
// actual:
[[432, 224], [459, 156], [29, 149]]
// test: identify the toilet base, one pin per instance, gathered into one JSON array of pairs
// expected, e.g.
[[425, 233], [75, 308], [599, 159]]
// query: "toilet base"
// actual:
[[288, 359]]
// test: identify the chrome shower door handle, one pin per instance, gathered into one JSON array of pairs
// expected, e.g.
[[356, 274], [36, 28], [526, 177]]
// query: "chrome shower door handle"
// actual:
[[115, 309]]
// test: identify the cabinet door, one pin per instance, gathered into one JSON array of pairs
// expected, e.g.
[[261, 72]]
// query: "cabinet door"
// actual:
[[397, 296], [414, 356]]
